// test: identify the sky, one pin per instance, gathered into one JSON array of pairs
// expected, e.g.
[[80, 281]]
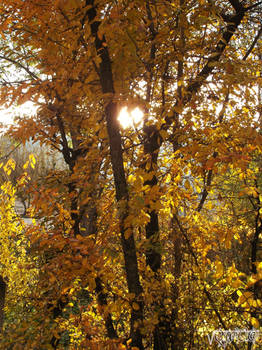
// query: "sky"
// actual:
[[8, 114], [126, 118]]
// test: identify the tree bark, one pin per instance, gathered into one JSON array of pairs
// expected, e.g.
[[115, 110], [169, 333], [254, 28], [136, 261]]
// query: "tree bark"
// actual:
[[116, 155], [2, 301]]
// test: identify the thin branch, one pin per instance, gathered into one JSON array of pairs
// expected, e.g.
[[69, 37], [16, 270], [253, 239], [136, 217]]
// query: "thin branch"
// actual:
[[150, 63], [253, 6], [253, 44], [33, 75], [208, 295], [205, 191], [213, 59], [215, 154], [209, 176], [12, 150]]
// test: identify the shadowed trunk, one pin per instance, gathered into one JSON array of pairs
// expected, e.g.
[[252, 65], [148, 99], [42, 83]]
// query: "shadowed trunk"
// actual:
[[2, 301], [116, 154]]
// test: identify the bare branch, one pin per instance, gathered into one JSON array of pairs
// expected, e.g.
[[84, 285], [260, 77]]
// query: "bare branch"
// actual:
[[236, 5], [207, 293], [9, 153], [66, 149], [205, 191], [214, 57], [253, 6], [253, 44], [17, 63]]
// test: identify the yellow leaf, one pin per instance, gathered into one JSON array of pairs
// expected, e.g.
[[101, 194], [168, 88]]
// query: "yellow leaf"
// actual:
[[244, 297], [187, 185], [121, 347], [9, 166], [32, 161], [135, 306], [168, 178], [25, 166], [219, 269], [236, 283], [178, 109], [254, 322]]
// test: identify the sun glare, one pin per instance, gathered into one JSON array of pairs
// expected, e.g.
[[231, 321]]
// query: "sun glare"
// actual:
[[7, 115], [130, 118]]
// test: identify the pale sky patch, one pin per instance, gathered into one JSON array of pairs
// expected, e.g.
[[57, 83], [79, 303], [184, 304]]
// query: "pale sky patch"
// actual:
[[7, 115]]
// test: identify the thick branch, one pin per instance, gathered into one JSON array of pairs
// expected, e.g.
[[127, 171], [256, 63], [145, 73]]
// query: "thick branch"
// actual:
[[253, 44], [213, 58], [102, 301], [65, 148], [2, 301], [236, 5]]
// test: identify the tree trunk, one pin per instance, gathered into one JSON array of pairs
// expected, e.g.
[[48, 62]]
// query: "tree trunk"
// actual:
[[116, 154], [2, 301]]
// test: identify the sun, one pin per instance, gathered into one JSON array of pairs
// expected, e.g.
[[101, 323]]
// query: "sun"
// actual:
[[131, 118]]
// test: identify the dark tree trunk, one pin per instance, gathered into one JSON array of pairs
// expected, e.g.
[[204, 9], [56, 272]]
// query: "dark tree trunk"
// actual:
[[2, 301], [116, 154]]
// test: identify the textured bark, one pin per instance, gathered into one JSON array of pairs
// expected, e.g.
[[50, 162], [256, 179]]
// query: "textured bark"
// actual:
[[2, 301], [116, 154], [102, 302], [256, 288], [151, 149], [81, 221]]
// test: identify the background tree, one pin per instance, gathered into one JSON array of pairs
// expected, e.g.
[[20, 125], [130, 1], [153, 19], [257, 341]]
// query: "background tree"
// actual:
[[30, 159]]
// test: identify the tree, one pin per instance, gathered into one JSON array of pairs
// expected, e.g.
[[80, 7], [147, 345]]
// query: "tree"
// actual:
[[18, 270], [147, 198], [32, 160]]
